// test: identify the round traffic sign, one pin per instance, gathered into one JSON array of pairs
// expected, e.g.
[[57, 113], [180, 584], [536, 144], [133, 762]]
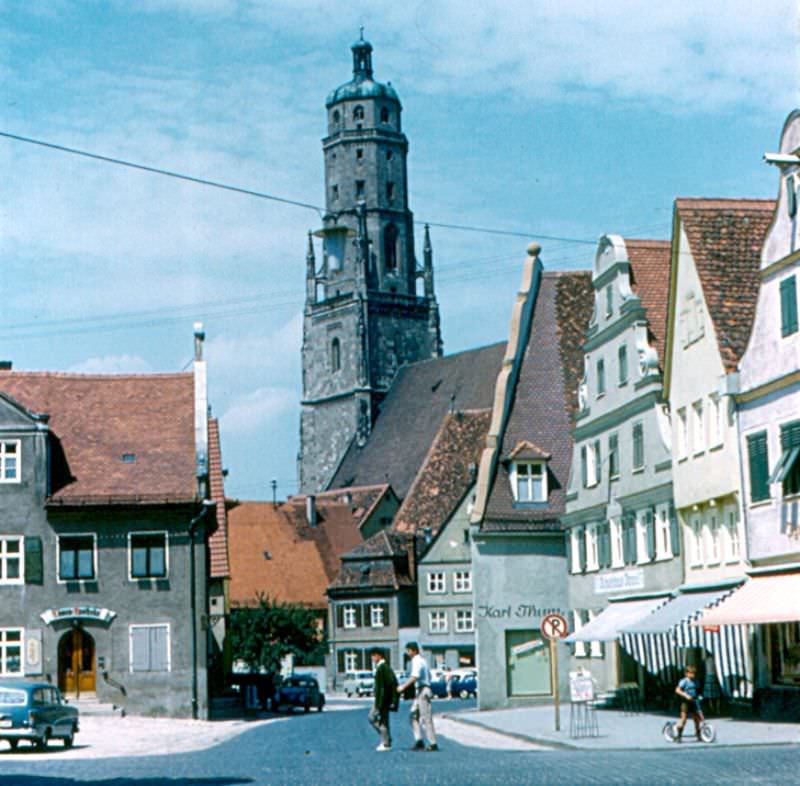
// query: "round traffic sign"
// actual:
[[554, 626]]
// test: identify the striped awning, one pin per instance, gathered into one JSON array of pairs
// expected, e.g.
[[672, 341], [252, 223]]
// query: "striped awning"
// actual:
[[680, 609], [760, 600], [606, 626]]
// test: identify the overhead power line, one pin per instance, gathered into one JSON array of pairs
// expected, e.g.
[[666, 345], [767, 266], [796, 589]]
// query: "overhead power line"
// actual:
[[263, 195]]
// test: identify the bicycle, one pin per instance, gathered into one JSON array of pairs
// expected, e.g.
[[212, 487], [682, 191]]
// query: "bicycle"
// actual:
[[707, 731]]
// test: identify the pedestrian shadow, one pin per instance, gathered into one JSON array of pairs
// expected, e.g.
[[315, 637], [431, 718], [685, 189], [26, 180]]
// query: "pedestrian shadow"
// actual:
[[46, 780]]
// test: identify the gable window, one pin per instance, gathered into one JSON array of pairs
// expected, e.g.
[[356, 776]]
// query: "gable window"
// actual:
[[148, 555], [377, 619], [10, 651], [787, 471], [622, 358], [11, 559], [437, 621], [758, 460], [336, 355], [609, 300], [436, 583], [465, 622], [613, 456], [529, 481], [638, 445], [788, 291], [76, 557], [349, 617], [9, 460], [714, 420], [149, 647], [462, 581], [691, 320], [601, 378], [683, 434], [698, 428]]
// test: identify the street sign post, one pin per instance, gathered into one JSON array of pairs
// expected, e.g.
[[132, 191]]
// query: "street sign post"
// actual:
[[555, 627]]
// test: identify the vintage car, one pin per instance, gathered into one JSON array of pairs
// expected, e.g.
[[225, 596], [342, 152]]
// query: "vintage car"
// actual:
[[299, 690], [464, 685], [360, 683], [36, 712]]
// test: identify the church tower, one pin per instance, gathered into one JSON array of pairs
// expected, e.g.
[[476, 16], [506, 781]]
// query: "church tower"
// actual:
[[369, 307]]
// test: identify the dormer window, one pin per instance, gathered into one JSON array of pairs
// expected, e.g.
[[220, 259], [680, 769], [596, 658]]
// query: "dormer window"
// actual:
[[529, 481]]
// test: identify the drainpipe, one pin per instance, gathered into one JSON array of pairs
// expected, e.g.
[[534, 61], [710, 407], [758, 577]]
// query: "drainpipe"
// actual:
[[194, 525]]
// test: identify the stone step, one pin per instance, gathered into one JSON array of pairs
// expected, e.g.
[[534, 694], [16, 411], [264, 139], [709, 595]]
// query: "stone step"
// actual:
[[91, 705]]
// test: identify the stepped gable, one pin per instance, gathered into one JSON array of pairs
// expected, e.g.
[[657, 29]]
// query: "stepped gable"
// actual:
[[448, 473], [544, 402], [410, 417], [650, 263], [726, 236], [118, 438]]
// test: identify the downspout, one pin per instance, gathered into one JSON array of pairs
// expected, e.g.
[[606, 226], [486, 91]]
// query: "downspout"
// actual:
[[194, 525]]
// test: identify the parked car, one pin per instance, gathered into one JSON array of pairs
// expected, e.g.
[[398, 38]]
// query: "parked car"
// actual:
[[359, 683], [301, 690], [439, 685], [464, 686], [35, 712]]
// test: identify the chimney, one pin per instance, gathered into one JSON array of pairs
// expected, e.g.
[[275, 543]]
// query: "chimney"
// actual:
[[311, 510], [200, 412]]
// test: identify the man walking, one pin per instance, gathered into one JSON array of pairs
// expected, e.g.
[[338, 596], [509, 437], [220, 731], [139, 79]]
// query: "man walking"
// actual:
[[421, 709], [385, 698]]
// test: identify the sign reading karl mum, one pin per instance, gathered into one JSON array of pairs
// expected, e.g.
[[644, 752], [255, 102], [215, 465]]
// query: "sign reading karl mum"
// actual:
[[619, 580], [520, 611]]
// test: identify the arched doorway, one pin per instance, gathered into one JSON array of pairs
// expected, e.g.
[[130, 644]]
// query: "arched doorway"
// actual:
[[76, 662]]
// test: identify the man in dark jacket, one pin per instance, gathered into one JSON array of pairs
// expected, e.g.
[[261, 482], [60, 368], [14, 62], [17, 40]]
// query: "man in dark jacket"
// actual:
[[385, 698]]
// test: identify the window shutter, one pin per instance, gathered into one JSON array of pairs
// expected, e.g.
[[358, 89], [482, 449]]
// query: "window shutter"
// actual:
[[358, 608], [598, 470], [34, 567], [651, 534], [759, 466], [629, 540], [788, 306], [159, 648], [584, 473], [340, 660], [568, 545], [385, 607], [790, 435], [140, 649], [340, 620], [674, 532], [606, 541], [582, 549]]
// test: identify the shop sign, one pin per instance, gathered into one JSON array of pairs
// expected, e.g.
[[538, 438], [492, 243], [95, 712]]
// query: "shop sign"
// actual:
[[581, 686], [619, 580], [527, 646], [93, 613]]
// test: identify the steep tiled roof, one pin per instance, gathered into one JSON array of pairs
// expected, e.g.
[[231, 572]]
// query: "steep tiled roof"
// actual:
[[379, 563], [544, 401], [650, 279], [528, 450], [274, 551], [447, 474], [725, 237], [218, 542], [421, 395], [362, 500], [99, 419]]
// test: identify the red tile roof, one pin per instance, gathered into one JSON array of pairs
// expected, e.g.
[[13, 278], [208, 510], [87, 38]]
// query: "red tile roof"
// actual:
[[650, 260], [447, 473], [273, 550], [218, 541], [98, 419], [725, 237]]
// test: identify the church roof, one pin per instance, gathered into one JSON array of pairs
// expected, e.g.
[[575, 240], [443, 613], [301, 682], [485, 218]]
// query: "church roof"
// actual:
[[361, 88], [410, 417]]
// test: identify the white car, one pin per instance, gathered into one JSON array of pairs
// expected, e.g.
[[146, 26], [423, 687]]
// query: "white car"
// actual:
[[359, 683]]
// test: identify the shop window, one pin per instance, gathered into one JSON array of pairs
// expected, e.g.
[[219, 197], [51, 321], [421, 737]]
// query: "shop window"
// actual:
[[784, 640], [527, 664]]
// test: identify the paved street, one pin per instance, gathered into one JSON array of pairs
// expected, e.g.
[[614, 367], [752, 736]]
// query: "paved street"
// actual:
[[337, 747]]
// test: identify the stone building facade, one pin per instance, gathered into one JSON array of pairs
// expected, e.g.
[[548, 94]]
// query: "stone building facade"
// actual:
[[369, 309]]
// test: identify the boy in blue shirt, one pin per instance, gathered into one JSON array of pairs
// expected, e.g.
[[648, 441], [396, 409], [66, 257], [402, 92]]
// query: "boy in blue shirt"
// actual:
[[688, 689]]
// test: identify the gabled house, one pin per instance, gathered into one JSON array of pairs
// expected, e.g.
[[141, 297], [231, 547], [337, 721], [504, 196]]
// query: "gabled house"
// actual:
[[104, 546], [518, 554], [436, 511]]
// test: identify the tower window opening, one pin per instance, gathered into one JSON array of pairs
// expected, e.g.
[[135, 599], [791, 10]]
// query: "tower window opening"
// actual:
[[359, 189], [336, 355], [384, 115], [358, 112], [390, 248], [336, 117], [359, 153], [334, 193], [389, 155], [390, 191]]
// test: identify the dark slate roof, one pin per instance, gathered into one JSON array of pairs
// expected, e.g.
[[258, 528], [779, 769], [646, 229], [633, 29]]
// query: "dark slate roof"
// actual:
[[379, 563], [412, 413], [447, 474], [362, 500], [726, 236], [650, 261], [544, 402]]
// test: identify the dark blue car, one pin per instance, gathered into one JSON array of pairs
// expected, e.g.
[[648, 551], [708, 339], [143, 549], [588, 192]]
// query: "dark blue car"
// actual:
[[464, 686], [35, 712]]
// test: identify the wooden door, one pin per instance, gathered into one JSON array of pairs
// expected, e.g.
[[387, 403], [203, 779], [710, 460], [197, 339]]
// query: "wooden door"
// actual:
[[76, 659]]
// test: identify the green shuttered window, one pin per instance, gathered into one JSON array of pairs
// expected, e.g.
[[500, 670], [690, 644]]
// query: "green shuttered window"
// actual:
[[758, 459], [788, 306]]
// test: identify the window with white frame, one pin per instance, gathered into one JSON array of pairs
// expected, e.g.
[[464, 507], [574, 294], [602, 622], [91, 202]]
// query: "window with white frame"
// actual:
[[712, 538], [683, 434], [465, 622], [437, 621], [733, 548], [148, 555], [11, 562], [617, 547], [462, 581], [698, 428], [436, 583], [529, 481], [590, 456], [10, 652], [663, 533], [595, 647], [638, 446], [149, 647], [376, 616], [715, 422], [591, 548], [575, 550], [76, 557], [697, 553], [642, 550], [577, 624], [10, 450], [350, 660], [349, 617]]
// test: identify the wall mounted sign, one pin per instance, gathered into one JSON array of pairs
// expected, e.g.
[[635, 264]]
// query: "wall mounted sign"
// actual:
[[93, 613], [619, 580]]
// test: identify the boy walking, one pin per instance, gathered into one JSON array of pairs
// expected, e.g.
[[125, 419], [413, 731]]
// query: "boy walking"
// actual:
[[385, 698], [421, 709], [688, 690]]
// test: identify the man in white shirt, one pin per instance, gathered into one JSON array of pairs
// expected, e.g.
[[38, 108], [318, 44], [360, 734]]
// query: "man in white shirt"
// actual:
[[421, 709]]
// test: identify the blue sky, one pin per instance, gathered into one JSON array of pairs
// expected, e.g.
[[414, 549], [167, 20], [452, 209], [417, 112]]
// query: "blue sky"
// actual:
[[567, 119]]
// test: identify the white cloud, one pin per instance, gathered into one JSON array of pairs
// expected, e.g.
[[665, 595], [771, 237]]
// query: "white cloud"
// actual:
[[252, 412], [112, 364]]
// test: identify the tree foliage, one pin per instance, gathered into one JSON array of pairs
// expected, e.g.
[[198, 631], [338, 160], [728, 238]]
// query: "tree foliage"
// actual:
[[264, 635]]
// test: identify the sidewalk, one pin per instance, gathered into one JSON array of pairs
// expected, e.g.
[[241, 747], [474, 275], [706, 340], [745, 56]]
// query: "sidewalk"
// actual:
[[619, 731]]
